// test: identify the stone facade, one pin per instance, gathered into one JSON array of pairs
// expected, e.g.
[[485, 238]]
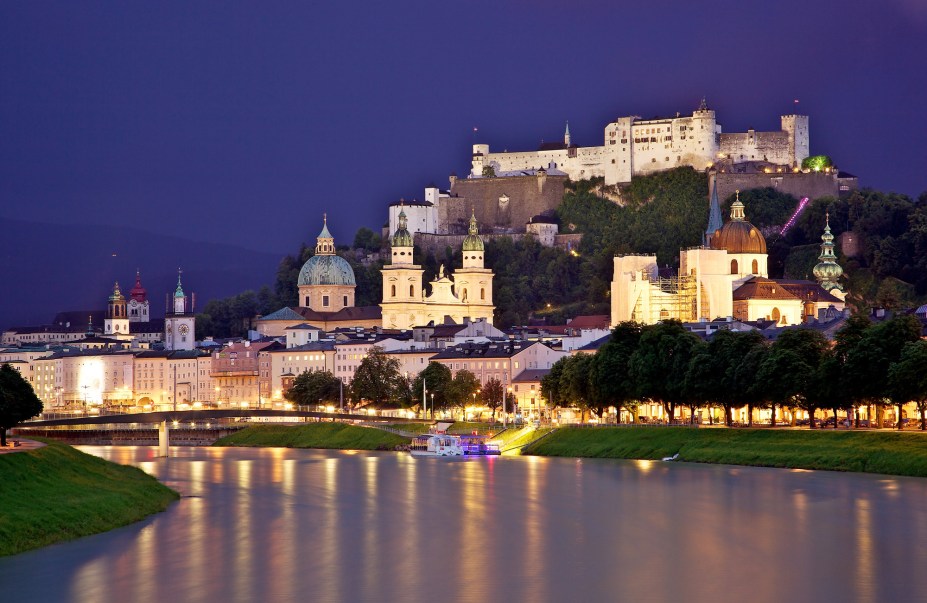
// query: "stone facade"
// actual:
[[813, 185]]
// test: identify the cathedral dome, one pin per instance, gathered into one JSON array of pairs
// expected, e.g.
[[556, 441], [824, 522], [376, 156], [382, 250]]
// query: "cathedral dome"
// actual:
[[326, 270], [473, 242], [738, 235]]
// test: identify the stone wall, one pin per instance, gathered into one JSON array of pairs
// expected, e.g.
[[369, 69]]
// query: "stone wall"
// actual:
[[812, 185], [499, 203]]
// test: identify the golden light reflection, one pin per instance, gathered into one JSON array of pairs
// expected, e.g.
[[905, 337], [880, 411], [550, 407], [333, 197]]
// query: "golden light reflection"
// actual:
[[329, 544], [865, 581], [645, 466], [243, 542]]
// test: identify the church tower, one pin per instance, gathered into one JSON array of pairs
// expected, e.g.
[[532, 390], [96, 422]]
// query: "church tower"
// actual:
[[828, 271], [117, 319], [179, 323], [566, 135], [139, 309], [402, 281], [473, 282]]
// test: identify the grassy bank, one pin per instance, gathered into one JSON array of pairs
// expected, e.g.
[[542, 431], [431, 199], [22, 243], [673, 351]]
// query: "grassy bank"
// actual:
[[57, 493], [314, 435], [869, 452], [458, 427]]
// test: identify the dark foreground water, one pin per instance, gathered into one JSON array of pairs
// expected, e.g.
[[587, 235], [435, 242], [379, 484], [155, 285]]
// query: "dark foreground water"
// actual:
[[292, 525]]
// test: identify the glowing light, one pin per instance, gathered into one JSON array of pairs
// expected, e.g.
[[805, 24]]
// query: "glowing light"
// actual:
[[798, 210]]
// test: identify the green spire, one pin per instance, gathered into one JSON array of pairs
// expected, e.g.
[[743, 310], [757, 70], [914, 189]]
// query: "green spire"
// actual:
[[179, 291], [117, 294], [828, 271]]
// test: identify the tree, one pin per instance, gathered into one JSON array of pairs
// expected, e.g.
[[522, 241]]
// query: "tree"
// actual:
[[575, 381], [869, 360], [550, 383], [18, 401], [436, 380], [907, 378], [377, 379], [462, 388], [786, 375], [739, 355], [314, 387], [492, 395], [609, 376], [660, 363]]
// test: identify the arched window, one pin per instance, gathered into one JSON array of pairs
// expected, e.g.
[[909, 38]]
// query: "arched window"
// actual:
[[733, 266], [775, 315], [393, 290], [664, 314], [411, 290], [464, 295], [756, 267]]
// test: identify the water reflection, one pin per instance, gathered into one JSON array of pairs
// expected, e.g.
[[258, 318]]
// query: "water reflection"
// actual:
[[282, 525]]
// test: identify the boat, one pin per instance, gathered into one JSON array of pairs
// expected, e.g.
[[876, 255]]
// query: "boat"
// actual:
[[434, 444], [440, 443]]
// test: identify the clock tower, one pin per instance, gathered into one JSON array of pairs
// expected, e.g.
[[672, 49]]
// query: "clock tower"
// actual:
[[179, 322]]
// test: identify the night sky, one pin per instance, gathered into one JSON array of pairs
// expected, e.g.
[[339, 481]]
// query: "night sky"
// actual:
[[243, 122]]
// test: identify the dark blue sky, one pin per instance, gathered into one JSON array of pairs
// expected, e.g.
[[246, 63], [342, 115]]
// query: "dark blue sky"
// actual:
[[242, 123]]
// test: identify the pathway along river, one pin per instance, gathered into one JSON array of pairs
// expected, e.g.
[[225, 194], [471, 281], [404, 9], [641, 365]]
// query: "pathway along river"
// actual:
[[304, 525]]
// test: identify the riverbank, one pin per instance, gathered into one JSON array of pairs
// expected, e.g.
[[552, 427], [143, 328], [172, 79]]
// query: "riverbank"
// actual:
[[866, 452], [56, 493], [337, 436]]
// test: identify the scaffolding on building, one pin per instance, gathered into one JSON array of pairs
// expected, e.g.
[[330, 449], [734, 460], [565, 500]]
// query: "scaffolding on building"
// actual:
[[667, 298]]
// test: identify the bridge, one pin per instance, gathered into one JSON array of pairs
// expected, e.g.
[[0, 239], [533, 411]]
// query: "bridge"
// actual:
[[164, 419]]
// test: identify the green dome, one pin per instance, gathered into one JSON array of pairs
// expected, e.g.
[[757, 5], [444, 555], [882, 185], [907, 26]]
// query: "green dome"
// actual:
[[473, 242], [402, 237], [326, 270]]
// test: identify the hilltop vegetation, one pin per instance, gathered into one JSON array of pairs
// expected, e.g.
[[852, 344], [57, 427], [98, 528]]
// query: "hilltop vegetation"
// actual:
[[659, 213]]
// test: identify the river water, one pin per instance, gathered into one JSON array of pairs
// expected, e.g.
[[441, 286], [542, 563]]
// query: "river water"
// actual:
[[303, 525]]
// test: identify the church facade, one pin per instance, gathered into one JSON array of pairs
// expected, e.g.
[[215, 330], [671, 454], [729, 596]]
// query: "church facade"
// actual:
[[465, 296], [726, 276]]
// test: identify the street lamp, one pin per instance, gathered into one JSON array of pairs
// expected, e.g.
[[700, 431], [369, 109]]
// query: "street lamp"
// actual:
[[432, 403]]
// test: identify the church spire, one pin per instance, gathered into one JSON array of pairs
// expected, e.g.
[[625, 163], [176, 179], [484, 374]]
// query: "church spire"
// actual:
[[714, 215], [828, 271]]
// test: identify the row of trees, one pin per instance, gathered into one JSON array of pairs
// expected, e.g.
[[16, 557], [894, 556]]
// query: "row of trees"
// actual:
[[378, 381], [870, 365]]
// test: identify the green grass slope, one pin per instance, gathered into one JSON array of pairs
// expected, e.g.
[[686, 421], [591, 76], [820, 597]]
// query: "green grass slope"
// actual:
[[869, 452], [57, 493], [339, 436]]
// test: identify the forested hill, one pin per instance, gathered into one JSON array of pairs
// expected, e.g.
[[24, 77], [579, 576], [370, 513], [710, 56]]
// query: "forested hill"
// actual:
[[660, 213]]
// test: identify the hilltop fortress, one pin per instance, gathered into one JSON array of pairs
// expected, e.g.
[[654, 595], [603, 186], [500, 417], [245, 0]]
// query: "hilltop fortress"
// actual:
[[633, 146]]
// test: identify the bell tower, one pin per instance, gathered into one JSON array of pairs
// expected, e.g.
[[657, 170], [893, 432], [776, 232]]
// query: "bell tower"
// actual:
[[117, 316], [179, 324]]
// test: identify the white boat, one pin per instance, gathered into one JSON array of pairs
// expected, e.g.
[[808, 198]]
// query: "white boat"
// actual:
[[436, 445]]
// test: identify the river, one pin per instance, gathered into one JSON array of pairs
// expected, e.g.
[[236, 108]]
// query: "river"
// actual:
[[305, 525]]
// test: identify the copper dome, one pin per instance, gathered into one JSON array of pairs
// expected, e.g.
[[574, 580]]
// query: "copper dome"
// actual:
[[738, 235]]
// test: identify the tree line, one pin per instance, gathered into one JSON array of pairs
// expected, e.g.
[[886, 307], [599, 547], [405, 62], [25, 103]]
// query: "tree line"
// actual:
[[873, 365], [379, 382]]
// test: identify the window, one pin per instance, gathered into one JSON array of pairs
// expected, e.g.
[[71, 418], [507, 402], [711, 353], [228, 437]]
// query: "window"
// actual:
[[345, 301], [411, 290], [733, 266], [756, 267], [307, 301], [482, 293], [393, 290], [325, 301]]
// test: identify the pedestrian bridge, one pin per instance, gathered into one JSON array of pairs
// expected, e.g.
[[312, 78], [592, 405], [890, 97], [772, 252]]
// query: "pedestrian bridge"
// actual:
[[165, 419]]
